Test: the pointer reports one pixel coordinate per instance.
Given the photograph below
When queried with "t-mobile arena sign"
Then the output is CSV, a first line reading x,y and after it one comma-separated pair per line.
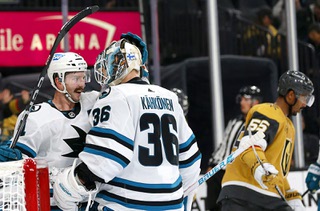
x,y
26,38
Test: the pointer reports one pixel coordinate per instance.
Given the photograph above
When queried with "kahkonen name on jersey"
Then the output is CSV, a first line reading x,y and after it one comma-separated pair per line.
x,y
157,103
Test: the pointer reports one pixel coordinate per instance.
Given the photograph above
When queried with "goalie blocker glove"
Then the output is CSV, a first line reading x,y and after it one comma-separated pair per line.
x,y
313,177
8,154
68,191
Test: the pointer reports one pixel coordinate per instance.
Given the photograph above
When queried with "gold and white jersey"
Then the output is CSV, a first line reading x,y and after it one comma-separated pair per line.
x,y
238,181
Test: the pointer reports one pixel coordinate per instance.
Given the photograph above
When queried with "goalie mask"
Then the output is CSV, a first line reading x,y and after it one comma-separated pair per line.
x,y
63,63
299,83
116,62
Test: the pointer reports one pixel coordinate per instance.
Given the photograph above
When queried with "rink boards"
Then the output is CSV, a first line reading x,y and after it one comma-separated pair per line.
x,y
296,180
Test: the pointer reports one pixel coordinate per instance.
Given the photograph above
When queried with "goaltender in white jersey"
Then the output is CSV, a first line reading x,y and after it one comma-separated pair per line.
x,y
140,153
55,130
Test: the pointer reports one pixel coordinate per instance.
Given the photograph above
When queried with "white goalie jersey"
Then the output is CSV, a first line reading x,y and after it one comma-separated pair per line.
x,y
142,147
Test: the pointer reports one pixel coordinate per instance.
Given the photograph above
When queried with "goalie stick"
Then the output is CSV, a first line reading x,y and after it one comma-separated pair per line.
x,y
259,135
63,31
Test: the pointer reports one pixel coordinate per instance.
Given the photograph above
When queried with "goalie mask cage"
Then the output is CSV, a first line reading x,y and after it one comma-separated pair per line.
x,y
24,185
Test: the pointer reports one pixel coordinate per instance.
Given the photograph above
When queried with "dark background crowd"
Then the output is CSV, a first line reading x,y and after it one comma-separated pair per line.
x,y
252,36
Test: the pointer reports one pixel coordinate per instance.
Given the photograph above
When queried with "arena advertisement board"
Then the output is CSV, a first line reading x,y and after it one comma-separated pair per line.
x,y
295,178
27,37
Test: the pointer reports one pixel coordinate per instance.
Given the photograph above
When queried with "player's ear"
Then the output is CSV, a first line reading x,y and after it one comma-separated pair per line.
x,y
58,82
291,97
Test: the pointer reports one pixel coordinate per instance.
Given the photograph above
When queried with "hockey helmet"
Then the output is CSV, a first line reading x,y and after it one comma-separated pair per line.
x,y
63,63
252,92
116,62
299,83
183,100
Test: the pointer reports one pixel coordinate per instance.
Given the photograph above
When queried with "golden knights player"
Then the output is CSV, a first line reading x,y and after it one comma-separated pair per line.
x,y
247,185
140,152
247,97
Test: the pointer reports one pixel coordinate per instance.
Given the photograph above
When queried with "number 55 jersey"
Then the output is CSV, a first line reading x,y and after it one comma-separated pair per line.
x,y
142,147
238,181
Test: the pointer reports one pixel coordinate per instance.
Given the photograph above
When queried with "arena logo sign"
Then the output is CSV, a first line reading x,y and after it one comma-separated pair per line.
x,y
15,42
79,41
35,37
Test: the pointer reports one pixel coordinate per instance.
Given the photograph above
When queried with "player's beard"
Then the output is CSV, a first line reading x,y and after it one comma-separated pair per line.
x,y
76,94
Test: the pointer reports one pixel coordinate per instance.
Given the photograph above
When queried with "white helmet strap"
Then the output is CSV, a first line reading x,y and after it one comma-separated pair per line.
x,y
68,96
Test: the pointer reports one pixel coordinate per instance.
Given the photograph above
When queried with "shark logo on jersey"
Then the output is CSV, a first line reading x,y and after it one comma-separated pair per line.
x,y
77,143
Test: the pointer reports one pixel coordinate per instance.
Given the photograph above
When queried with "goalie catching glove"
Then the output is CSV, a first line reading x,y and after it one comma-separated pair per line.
x,y
8,154
68,191
313,177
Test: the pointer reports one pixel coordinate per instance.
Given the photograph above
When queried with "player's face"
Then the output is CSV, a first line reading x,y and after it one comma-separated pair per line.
x,y
300,104
245,104
75,83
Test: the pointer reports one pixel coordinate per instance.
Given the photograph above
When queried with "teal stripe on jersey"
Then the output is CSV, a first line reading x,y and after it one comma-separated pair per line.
x,y
141,205
188,143
148,185
194,158
106,155
103,132
26,150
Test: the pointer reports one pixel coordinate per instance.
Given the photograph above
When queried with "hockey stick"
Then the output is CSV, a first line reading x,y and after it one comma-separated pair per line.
x,y
63,31
23,87
265,170
259,135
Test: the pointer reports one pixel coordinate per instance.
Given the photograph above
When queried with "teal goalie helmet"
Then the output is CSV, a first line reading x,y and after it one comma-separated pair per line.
x,y
116,62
